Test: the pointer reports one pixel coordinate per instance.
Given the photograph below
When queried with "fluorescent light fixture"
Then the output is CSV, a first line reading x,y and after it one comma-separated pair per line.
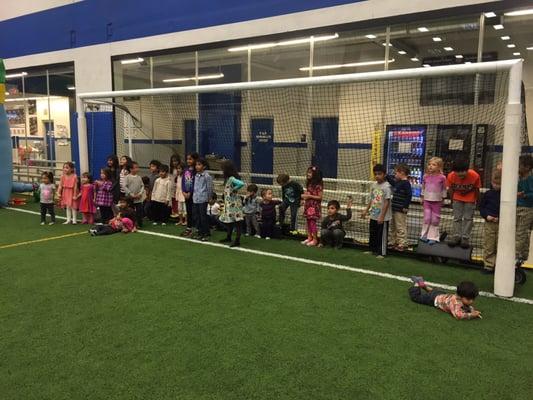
x,y
506,37
458,56
511,45
519,13
6,93
490,14
448,48
498,27
423,29
415,59
193,78
35,98
20,75
468,62
385,44
132,61
371,36
284,43
402,52
71,87
517,53
349,65
426,65
529,48
437,39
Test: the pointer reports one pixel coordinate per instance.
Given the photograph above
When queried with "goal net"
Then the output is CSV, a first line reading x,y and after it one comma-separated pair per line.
x,y
343,124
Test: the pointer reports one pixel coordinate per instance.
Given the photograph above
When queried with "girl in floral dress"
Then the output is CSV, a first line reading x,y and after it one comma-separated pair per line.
x,y
232,214
312,204
68,192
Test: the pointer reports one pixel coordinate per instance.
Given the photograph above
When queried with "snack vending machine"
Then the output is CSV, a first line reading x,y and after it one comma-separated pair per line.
x,y
406,144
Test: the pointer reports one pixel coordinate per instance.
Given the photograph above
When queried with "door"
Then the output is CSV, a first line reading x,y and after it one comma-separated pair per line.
x,y
50,140
190,136
262,148
325,136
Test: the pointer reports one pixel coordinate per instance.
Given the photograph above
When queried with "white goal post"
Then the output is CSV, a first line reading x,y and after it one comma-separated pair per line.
x,y
505,271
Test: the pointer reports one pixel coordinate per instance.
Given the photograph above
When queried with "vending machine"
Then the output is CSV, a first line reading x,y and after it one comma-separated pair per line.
x,y
406,144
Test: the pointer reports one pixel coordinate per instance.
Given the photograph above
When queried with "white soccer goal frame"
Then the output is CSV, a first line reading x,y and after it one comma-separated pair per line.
x,y
505,272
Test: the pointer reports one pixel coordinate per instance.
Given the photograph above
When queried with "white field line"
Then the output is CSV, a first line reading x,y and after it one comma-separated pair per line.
x,y
309,261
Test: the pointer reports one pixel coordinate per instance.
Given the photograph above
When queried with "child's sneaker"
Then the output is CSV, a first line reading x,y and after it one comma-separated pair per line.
x,y
154,223
42,223
267,238
454,241
418,281
432,242
465,244
92,232
258,236
380,257
66,222
51,223
163,224
367,252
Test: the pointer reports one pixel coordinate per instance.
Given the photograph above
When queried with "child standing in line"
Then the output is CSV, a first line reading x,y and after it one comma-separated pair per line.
x,y
180,198
401,199
464,184
524,209
232,214
251,208
125,168
117,224
489,208
46,193
268,213
312,198
291,194
187,187
154,174
380,212
433,194
161,197
332,231
104,195
68,192
459,305
174,164
87,197
134,190
114,167
203,190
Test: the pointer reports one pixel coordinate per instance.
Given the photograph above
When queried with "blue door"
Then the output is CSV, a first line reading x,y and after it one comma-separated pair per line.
x,y
190,136
325,145
262,148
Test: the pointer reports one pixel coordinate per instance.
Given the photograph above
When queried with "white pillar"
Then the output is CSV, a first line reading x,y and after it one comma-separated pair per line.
x,y
505,260
82,137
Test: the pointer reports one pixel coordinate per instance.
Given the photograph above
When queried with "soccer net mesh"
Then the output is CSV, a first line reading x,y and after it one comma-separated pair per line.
x,y
342,128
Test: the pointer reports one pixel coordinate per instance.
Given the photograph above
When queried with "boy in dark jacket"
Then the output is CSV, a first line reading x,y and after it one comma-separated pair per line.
x,y
401,199
332,231
291,193
268,213
489,208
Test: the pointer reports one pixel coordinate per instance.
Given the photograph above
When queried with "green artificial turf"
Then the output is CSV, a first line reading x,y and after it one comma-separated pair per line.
x,y
143,317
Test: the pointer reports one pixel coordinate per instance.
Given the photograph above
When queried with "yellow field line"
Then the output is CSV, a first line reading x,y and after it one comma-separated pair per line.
x,y
7,246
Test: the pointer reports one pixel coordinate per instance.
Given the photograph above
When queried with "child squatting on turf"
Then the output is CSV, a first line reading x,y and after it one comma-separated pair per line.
x,y
332,231
459,305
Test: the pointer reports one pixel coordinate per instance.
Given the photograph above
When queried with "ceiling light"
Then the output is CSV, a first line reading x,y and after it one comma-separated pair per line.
x,y
529,48
34,98
423,29
132,61
415,59
385,44
506,37
193,78
402,52
284,43
448,48
20,75
426,65
371,36
437,39
497,26
468,62
6,93
349,65
519,13
511,45
490,14
71,87
517,53
458,56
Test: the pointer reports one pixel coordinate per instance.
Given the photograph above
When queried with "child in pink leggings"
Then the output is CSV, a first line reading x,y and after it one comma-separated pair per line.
x,y
433,193
312,198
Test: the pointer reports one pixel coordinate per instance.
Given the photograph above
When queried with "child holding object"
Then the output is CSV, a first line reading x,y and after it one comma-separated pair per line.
x,y
46,197
433,194
464,184
291,194
401,199
268,213
524,209
87,199
489,208
332,231
252,207
379,211
312,198
68,192
459,305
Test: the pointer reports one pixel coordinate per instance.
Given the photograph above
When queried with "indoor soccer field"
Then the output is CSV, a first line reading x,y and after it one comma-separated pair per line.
x,y
138,316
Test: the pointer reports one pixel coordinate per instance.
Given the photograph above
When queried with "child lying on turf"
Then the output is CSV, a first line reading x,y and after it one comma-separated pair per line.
x,y
459,305
115,225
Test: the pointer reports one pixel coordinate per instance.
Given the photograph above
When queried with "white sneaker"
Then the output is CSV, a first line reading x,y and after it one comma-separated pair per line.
x,y
246,234
74,222
267,238
163,224
154,223
51,223
258,236
66,222
42,223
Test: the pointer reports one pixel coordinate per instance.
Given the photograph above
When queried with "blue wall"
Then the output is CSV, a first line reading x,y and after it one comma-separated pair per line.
x,y
99,21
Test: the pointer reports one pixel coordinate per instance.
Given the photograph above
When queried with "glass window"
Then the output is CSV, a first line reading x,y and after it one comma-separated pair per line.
x,y
131,72
174,69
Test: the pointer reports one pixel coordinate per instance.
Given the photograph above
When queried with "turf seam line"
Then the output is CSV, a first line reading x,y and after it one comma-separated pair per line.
x,y
46,239
311,262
